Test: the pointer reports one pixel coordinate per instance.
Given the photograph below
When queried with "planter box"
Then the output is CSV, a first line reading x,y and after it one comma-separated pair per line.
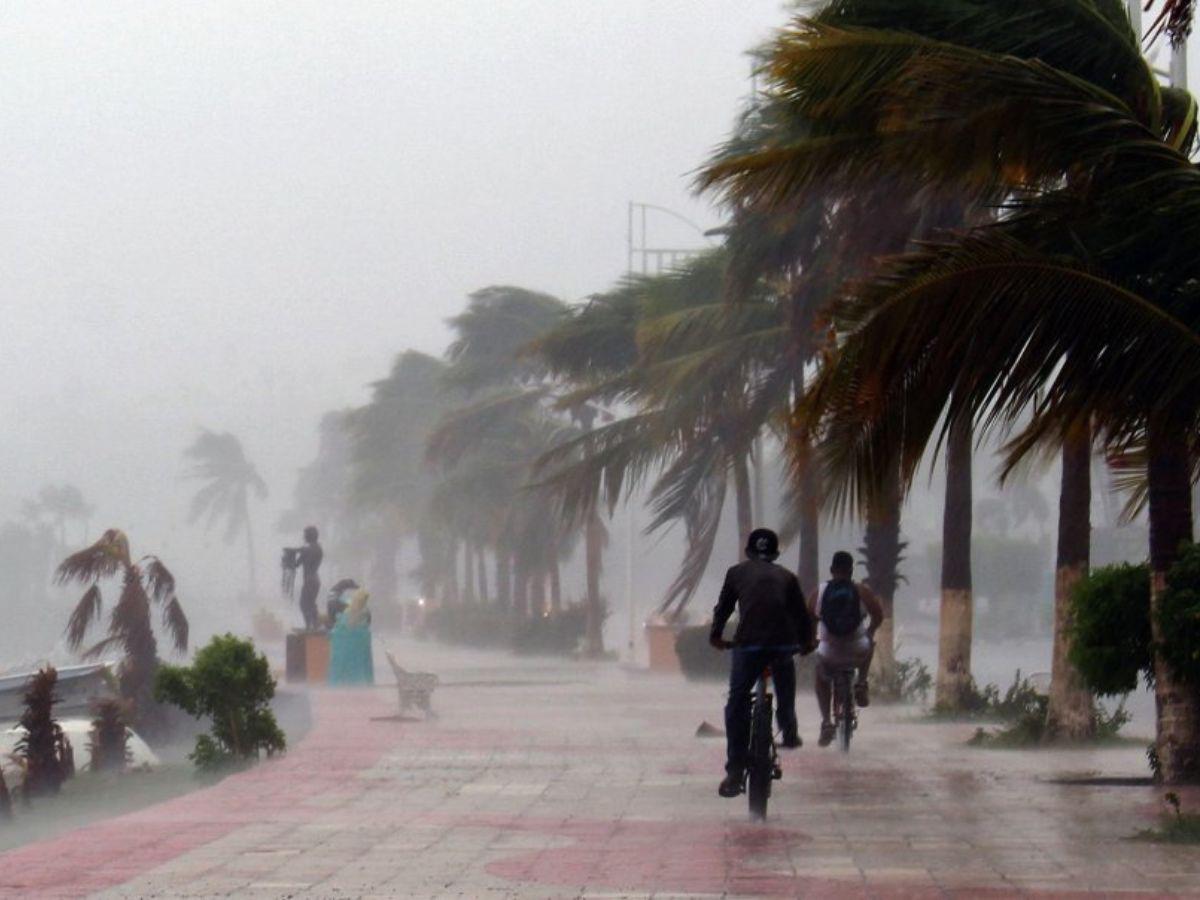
x,y
660,639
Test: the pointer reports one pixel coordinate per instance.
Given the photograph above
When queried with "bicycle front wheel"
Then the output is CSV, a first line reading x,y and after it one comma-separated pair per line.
x,y
758,788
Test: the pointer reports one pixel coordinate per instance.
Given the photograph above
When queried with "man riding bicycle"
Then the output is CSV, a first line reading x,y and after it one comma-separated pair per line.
x,y
774,624
848,613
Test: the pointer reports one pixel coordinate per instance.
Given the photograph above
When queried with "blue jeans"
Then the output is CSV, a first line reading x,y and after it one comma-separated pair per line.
x,y
749,663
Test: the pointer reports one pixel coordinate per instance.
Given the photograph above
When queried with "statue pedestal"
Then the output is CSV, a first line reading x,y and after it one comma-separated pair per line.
x,y
308,656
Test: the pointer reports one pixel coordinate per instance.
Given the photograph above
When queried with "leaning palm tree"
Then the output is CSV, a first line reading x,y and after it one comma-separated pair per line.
x,y
145,583
231,479
834,73
1077,306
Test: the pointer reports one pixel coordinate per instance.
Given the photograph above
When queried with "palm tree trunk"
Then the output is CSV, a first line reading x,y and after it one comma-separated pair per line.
x,y
593,548
759,464
481,561
520,586
1178,706
537,596
251,565
468,574
555,587
882,548
504,585
954,639
1070,714
809,570
383,566
745,512
452,575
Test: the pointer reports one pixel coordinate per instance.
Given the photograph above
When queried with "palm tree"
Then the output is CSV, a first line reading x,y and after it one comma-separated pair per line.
x,y
1055,307
686,365
231,479
145,582
59,503
390,484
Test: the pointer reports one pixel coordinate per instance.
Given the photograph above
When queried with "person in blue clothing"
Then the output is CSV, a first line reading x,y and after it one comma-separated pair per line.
x,y
774,624
350,658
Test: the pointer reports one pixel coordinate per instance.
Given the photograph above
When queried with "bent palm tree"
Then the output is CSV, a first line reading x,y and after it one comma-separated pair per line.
x,y
144,583
219,460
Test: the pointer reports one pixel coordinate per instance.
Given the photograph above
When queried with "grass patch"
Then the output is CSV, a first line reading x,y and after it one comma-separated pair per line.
x,y
92,797
1176,827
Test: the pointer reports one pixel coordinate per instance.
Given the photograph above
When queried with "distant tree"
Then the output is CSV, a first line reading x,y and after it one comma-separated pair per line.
x,y
59,504
144,583
220,461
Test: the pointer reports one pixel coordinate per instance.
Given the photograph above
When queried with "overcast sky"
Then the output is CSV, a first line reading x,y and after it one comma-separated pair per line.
x,y
234,215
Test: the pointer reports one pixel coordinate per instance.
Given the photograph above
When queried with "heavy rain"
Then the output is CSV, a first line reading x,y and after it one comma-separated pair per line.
x,y
548,449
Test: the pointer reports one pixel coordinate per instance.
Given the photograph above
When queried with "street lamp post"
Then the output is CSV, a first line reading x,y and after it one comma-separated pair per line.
x,y
644,259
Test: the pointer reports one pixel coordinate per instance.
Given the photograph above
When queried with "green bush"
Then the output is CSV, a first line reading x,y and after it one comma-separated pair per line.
x,y
1110,639
230,683
908,681
557,634
474,626
1179,616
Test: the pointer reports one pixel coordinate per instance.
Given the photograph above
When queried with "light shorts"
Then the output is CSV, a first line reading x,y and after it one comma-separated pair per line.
x,y
842,654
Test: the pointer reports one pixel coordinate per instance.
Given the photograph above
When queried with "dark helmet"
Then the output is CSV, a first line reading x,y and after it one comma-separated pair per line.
x,y
763,543
843,564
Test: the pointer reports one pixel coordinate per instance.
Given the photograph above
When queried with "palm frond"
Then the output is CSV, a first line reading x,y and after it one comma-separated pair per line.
x,y
160,583
982,327
103,559
1174,19
176,623
101,647
86,612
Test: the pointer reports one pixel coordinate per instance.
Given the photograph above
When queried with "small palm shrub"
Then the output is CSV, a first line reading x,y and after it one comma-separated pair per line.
x,y
43,749
109,740
5,800
231,684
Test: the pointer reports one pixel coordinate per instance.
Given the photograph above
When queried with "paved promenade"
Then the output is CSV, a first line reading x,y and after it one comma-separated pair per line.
x,y
561,780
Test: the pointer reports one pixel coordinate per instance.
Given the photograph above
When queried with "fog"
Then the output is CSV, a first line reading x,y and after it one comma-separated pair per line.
x,y
233,216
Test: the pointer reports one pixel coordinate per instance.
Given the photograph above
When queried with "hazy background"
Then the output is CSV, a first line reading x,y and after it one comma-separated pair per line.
x,y
233,215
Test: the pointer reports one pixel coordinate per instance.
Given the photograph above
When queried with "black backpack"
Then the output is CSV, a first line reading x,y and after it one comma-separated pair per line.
x,y
841,609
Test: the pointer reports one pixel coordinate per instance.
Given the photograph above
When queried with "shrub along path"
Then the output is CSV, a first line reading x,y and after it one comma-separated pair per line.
x,y
567,780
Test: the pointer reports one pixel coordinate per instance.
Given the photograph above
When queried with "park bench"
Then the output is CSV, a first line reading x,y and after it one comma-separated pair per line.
x,y
414,688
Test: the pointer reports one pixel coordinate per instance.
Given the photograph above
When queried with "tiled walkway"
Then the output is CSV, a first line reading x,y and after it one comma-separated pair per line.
x,y
561,780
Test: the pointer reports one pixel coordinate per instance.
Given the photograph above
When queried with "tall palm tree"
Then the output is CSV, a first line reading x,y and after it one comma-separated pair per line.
x,y
390,484
1104,327
145,583
230,480
685,365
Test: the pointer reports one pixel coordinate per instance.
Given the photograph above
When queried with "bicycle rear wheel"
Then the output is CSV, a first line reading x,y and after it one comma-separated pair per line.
x,y
845,721
758,788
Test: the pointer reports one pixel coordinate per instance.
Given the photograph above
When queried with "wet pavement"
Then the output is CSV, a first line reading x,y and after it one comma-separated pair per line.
x,y
585,780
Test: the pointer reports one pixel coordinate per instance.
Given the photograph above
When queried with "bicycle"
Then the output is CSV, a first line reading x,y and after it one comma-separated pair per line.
x,y
845,716
763,764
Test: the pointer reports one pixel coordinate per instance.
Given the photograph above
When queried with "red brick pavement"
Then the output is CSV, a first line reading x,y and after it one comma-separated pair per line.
x,y
342,741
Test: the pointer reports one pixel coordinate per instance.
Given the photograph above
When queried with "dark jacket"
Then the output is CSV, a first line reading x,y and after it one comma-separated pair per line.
x,y
770,605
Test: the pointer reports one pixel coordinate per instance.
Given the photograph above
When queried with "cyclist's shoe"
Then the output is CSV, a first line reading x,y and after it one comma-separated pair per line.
x,y
791,740
861,697
731,786
776,773
828,733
